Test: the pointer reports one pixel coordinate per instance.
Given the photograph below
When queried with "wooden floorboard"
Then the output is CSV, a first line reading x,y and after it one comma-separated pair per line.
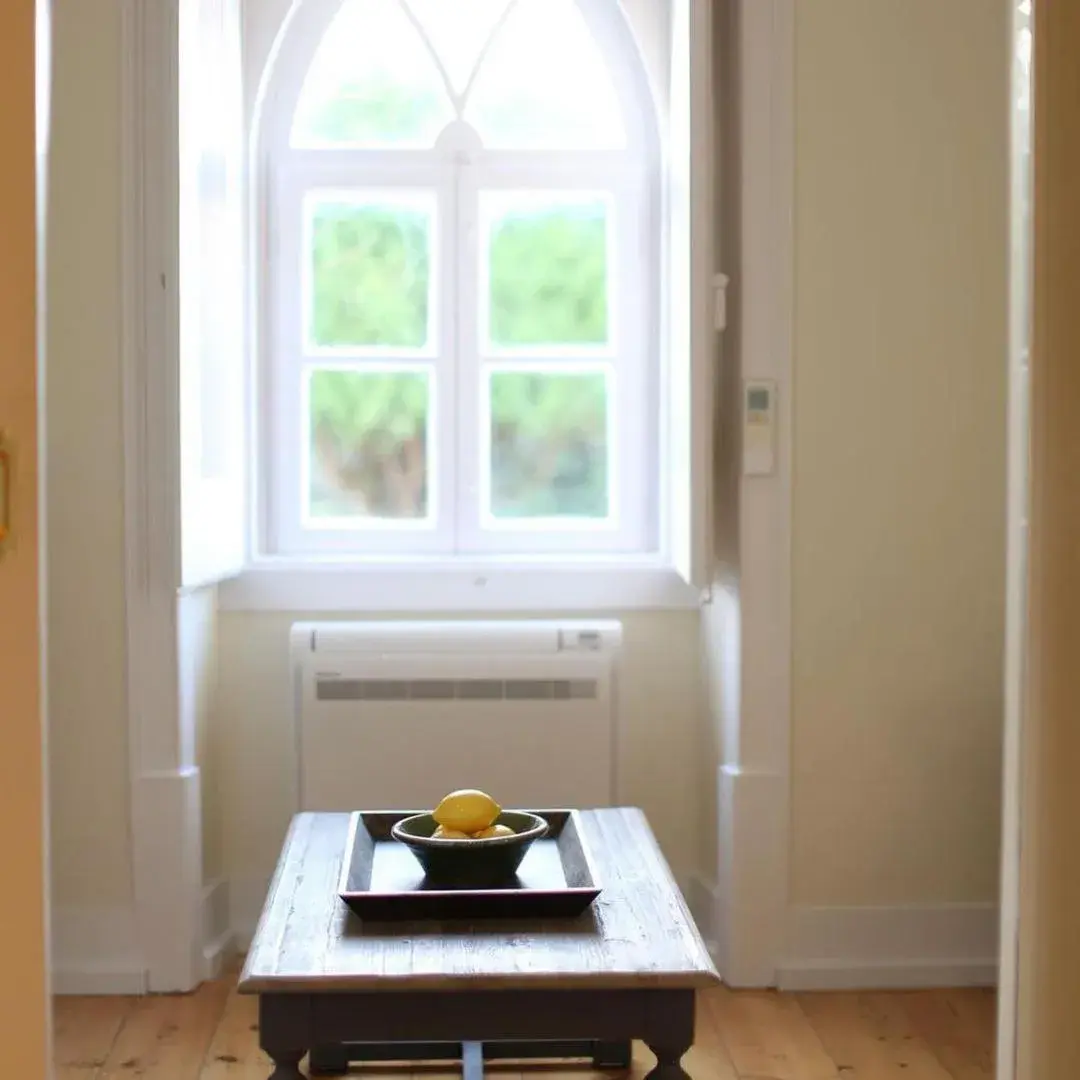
x,y
752,1035
84,1031
870,1037
768,1035
959,1028
167,1037
234,1052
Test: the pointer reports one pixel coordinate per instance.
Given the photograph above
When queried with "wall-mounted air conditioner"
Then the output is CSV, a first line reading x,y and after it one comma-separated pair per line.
x,y
392,715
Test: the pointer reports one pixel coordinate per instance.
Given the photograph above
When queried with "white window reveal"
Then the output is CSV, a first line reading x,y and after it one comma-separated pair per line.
x,y
479,343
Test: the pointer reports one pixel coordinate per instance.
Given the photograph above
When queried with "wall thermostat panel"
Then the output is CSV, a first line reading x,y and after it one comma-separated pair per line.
x,y
759,427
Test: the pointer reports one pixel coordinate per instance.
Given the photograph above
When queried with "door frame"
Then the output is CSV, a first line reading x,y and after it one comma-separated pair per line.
x,y
1038,1035
1018,510
25,53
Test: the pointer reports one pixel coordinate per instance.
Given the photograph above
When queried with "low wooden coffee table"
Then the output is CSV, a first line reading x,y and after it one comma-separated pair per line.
x,y
345,990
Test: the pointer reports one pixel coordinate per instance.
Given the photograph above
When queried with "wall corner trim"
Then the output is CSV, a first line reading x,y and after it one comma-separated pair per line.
x,y
753,776
165,783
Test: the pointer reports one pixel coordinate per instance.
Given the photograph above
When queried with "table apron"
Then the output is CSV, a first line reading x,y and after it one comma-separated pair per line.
x,y
305,1020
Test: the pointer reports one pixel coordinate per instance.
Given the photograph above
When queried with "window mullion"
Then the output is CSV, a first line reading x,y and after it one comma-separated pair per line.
x,y
446,376
468,367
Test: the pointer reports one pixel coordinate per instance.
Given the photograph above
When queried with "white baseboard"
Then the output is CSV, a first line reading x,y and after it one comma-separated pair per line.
x,y
910,947
703,900
219,941
96,951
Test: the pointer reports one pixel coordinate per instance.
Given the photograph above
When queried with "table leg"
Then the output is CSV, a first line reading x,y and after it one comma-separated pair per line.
x,y
285,1032
286,1063
670,1032
668,1062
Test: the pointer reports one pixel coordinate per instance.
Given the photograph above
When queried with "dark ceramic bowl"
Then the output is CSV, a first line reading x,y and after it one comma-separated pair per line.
x,y
463,864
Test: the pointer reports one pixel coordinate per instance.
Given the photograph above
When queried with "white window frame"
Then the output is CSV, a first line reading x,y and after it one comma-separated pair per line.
x,y
633,478
679,573
459,172
283,474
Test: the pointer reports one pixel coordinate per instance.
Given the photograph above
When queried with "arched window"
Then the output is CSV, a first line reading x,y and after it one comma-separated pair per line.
x,y
459,301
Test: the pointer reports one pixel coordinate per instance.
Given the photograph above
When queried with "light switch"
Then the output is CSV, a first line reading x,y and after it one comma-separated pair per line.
x,y
759,427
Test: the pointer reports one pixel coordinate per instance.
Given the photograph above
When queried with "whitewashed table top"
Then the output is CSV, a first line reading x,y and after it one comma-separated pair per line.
x,y
637,934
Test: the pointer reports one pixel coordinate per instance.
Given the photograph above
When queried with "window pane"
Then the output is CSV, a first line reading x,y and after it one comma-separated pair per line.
x,y
458,30
370,272
372,83
547,269
369,433
545,84
549,445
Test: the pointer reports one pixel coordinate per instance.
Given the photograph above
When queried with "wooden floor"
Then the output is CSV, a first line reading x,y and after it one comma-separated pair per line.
x,y
211,1035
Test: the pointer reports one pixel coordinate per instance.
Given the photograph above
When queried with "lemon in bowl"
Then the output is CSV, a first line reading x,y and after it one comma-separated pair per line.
x,y
468,811
486,857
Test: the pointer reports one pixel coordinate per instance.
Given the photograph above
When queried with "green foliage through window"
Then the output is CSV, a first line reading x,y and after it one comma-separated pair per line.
x,y
378,111
370,266
549,277
549,445
369,433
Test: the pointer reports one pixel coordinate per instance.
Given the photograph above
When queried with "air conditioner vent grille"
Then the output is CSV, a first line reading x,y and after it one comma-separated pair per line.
x,y
334,688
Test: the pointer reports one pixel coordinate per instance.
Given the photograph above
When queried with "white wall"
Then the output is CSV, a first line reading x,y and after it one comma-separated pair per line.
x,y
897,516
899,454
94,936
197,666
661,712
95,939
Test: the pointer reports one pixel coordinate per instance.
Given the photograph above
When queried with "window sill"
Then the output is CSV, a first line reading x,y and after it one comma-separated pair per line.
x,y
421,586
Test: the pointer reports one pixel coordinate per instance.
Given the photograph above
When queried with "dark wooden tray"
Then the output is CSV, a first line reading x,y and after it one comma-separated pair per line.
x,y
381,879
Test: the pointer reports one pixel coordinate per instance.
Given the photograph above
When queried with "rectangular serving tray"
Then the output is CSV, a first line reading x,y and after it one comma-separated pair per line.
x,y
381,879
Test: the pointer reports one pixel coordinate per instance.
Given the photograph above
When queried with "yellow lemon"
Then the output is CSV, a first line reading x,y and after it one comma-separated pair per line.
x,y
468,811
442,833
493,830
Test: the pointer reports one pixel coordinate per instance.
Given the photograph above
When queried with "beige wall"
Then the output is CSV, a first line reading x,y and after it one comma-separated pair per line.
x,y
660,707
899,453
23,1004
88,743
